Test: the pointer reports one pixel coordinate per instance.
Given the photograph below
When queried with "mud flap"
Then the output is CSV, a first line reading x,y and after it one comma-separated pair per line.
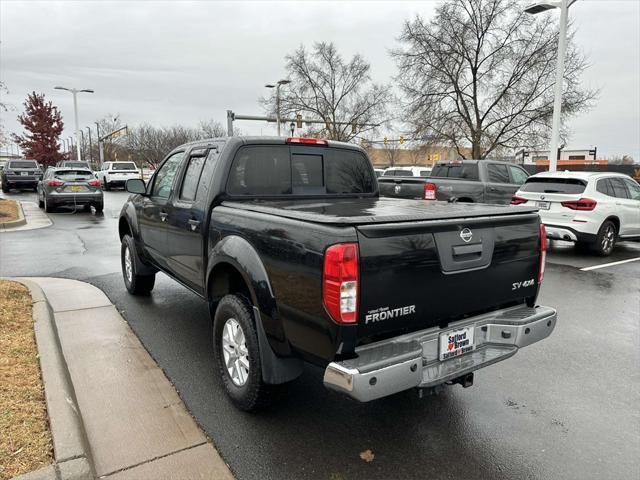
x,y
275,370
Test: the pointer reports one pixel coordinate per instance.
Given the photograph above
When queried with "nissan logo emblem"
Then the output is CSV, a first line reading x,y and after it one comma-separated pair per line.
x,y
466,235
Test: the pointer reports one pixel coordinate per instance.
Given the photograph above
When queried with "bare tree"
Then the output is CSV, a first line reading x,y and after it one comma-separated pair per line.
x,y
326,87
4,107
481,73
151,144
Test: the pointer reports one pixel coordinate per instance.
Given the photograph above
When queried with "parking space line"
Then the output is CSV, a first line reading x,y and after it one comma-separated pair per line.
x,y
604,265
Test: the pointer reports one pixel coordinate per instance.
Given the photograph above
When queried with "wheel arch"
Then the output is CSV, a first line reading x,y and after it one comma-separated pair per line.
x,y
236,268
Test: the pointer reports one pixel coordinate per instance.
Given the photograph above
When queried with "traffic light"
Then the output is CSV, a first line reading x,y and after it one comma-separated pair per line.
x,y
385,141
401,139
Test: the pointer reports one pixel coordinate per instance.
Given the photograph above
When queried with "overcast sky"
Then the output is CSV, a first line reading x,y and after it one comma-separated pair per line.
x,y
181,62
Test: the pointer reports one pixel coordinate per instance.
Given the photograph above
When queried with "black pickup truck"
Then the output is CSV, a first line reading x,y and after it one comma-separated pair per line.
x,y
300,260
470,181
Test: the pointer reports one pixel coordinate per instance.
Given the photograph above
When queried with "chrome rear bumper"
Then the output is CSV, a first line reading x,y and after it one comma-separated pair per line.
x,y
390,366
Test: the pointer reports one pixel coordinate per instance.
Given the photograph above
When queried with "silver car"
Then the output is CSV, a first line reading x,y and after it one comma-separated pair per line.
x,y
70,187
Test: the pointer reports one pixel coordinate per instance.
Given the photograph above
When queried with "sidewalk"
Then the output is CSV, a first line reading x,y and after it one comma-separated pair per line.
x,y
34,218
130,417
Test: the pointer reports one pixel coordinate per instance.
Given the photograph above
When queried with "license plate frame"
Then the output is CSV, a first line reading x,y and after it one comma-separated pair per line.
x,y
463,337
24,174
543,204
75,188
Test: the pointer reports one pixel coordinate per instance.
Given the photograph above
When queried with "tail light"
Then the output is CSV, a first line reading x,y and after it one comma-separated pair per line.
x,y
429,191
515,200
340,282
54,183
582,204
543,252
307,141
94,182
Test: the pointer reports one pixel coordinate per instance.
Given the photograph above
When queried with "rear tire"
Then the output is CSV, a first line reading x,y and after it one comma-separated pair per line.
x,y
237,354
48,207
606,239
40,202
99,207
106,185
135,283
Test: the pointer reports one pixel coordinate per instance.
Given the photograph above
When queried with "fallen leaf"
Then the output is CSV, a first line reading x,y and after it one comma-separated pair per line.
x,y
367,456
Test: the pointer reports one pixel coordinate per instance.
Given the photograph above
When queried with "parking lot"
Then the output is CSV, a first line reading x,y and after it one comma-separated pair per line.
x,y
563,408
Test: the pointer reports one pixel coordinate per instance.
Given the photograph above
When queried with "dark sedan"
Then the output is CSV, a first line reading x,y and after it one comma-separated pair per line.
x,y
72,187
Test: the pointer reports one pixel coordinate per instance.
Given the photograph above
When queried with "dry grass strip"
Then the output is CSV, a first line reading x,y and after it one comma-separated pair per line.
x,y
25,439
8,210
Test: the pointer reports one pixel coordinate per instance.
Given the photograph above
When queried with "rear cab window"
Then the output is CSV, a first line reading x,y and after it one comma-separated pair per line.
x,y
569,186
498,173
272,170
467,171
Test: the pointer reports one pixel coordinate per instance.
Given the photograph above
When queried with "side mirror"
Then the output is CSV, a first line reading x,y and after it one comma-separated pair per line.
x,y
135,185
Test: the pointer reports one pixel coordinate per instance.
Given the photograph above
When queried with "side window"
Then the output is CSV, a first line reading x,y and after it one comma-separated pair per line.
x,y
619,189
634,188
603,186
518,176
258,170
498,173
192,178
164,177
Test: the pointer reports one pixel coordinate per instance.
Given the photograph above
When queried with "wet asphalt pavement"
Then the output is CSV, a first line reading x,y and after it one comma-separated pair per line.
x,y
568,407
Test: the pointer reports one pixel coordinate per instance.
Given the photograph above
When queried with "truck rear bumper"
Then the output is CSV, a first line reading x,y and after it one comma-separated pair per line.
x,y
390,366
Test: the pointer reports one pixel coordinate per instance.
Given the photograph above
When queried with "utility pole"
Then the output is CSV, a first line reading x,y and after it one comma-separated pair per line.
x,y
90,145
100,144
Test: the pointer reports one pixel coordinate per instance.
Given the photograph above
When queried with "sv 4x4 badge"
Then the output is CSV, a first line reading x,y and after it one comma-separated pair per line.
x,y
525,284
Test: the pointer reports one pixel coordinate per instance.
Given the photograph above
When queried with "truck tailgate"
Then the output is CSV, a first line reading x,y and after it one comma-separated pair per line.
x,y
416,275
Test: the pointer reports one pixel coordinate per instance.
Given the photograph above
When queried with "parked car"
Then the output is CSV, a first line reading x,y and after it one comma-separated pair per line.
x,y
20,174
592,209
116,174
378,171
470,181
69,187
407,172
73,164
301,260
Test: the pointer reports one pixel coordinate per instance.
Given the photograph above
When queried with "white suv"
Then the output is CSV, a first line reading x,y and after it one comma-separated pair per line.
x,y
114,174
588,208
407,172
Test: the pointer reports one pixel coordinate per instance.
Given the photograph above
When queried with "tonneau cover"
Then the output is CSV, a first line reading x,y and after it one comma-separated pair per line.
x,y
363,211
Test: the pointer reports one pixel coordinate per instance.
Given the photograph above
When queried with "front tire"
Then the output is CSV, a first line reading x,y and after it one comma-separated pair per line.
x,y
106,185
5,188
606,239
237,355
40,201
135,283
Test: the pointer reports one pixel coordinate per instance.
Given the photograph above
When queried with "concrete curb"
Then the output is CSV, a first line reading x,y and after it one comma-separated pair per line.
x,y
15,223
71,450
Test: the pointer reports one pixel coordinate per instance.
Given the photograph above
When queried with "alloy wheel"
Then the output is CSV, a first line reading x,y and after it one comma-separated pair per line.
x,y
128,269
234,350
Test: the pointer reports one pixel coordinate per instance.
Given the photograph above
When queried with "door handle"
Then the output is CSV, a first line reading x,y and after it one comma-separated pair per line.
x,y
163,216
194,224
493,189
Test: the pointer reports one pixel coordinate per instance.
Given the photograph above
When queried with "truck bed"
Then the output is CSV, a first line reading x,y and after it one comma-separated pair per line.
x,y
364,211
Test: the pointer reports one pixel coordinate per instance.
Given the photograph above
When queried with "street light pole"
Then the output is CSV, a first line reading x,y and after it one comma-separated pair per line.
x,y
75,92
277,86
563,5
